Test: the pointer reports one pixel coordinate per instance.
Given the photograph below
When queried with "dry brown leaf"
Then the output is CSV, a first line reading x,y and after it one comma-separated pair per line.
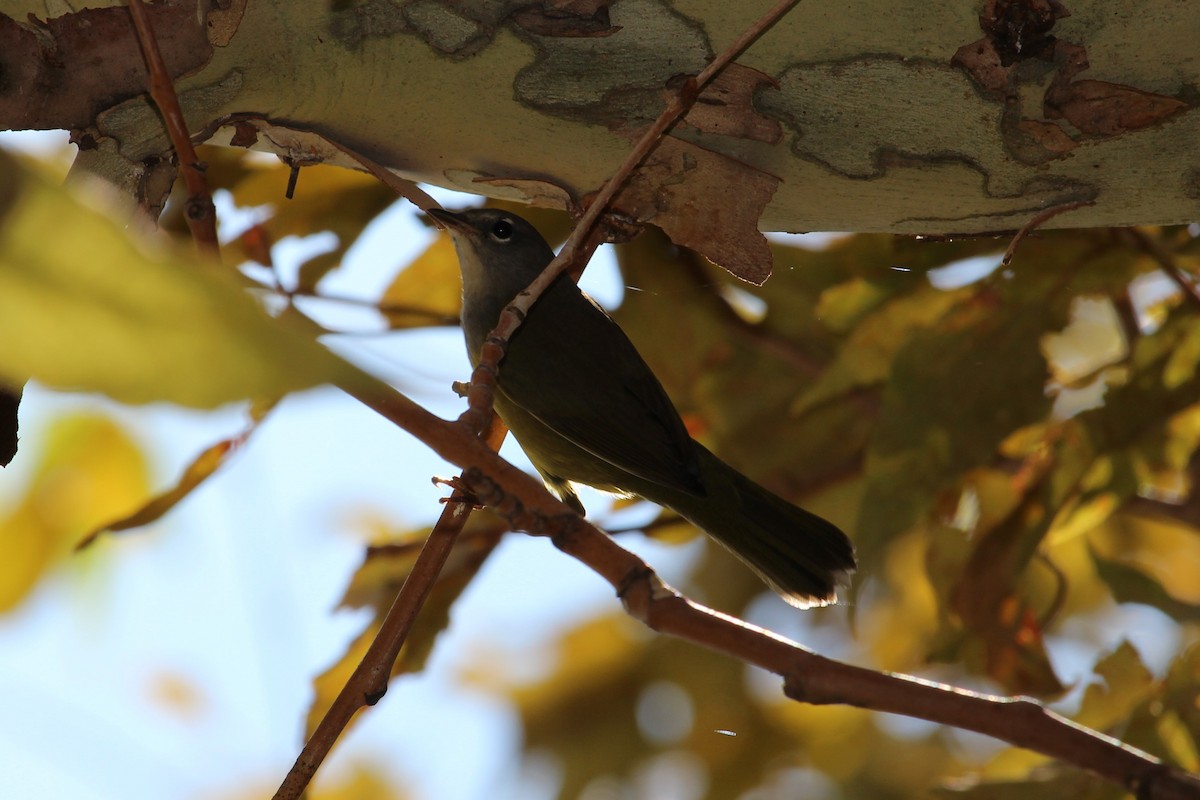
x,y
706,202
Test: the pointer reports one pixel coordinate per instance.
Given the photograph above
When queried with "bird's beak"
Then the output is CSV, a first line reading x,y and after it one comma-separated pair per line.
x,y
448,220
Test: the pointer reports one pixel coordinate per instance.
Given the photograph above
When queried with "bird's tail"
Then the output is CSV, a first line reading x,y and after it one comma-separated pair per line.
x,y
803,557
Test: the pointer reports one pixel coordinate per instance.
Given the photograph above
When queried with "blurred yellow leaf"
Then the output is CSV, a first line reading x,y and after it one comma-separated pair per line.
x,y
1180,742
90,470
841,307
1124,683
364,782
1181,366
1164,549
341,201
85,307
872,345
201,468
178,694
427,291
376,584
898,631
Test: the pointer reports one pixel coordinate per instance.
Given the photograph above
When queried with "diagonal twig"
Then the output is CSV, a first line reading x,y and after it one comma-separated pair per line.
x,y
1151,247
1039,219
199,212
369,681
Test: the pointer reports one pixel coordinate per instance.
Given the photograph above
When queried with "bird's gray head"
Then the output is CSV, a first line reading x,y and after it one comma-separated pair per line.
x,y
499,254
495,247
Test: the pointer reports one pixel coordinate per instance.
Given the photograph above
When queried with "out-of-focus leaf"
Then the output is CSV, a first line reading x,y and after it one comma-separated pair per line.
x,y
83,307
1158,716
843,306
1124,684
376,584
1130,585
341,201
201,468
1180,698
426,291
954,394
363,782
898,632
1048,781
1091,340
867,355
90,470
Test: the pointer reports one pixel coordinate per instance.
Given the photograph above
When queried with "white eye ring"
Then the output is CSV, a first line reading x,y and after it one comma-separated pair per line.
x,y
502,230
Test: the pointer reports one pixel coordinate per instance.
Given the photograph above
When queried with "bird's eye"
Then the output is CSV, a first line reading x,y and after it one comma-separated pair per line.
x,y
502,230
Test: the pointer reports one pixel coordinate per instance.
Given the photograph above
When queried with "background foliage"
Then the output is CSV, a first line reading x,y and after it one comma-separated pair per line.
x,y
1012,449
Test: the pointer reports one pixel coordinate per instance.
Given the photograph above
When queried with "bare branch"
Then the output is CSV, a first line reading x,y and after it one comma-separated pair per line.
x,y
369,681
1151,247
1038,220
812,678
200,213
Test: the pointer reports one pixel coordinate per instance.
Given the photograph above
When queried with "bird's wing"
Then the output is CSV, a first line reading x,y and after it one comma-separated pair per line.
x,y
614,407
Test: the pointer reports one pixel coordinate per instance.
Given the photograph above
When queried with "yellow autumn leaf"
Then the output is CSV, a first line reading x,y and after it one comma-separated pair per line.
x,y
83,306
90,471
428,291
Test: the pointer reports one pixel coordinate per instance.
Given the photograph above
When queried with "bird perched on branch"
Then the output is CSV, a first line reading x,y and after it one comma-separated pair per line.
x,y
587,410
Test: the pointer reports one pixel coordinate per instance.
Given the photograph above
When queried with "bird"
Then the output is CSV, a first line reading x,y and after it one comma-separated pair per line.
x,y
587,409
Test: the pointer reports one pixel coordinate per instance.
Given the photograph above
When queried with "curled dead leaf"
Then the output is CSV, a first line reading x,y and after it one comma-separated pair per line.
x,y
704,201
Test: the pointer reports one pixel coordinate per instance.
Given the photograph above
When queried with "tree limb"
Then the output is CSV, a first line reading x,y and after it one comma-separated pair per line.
x,y
369,681
808,677
200,213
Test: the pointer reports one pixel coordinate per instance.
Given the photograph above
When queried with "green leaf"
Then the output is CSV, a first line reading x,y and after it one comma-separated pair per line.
x,y
1124,684
955,392
1131,585
866,356
83,306
376,584
200,470
89,470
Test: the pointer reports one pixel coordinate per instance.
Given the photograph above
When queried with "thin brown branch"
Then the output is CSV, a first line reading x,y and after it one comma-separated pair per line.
x,y
575,249
200,213
812,678
1038,220
1151,247
405,188
385,308
369,681
1060,590
808,677
401,186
